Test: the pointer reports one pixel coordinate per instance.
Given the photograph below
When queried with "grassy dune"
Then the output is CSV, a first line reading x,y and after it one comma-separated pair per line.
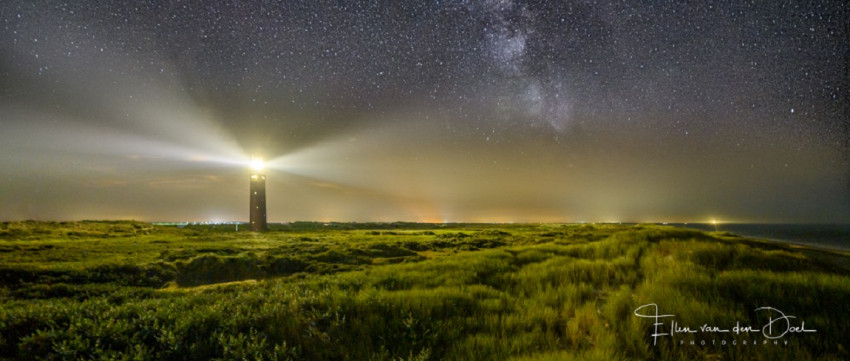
x,y
126,290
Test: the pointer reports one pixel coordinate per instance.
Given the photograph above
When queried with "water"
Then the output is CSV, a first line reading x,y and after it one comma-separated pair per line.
x,y
832,236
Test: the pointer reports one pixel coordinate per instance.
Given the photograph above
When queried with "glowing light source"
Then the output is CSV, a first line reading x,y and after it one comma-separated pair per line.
x,y
257,164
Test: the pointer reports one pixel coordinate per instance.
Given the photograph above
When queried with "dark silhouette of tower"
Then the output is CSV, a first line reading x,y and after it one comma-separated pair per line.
x,y
258,202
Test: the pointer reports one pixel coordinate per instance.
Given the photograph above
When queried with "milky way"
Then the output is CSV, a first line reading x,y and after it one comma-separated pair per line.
x,y
492,110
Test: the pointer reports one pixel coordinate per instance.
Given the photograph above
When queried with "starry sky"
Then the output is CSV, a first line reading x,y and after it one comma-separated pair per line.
x,y
430,111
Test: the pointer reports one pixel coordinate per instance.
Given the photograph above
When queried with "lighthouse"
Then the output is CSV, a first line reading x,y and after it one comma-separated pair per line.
x,y
258,197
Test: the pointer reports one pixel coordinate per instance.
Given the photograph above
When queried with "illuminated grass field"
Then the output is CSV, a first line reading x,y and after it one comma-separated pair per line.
x,y
406,291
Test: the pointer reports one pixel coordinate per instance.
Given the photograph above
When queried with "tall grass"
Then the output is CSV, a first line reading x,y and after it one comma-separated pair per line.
x,y
521,292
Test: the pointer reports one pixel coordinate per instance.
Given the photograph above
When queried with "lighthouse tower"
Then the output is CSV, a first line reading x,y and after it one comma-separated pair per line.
x,y
258,197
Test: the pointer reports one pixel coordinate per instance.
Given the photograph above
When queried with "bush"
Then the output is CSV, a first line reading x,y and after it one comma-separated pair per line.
x,y
206,269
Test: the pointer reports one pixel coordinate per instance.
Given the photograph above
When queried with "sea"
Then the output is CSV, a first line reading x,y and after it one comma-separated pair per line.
x,y
829,236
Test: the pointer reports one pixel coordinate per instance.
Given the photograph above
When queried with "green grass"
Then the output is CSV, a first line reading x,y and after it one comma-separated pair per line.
x,y
129,290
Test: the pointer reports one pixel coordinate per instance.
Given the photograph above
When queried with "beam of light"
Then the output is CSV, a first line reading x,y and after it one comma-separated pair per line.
x,y
434,185
40,135
358,159
130,115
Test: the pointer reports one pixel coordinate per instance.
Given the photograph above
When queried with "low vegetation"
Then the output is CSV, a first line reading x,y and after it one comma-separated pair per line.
x,y
339,291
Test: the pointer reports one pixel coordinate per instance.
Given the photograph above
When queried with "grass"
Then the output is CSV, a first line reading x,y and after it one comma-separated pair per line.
x,y
129,290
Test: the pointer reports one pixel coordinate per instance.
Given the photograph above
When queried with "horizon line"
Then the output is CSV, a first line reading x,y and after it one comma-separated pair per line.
x,y
438,222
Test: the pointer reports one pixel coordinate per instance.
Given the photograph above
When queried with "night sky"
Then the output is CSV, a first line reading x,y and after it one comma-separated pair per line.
x,y
433,111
